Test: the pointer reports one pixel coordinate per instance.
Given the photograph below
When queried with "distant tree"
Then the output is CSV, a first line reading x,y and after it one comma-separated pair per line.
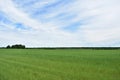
x,y
18,46
8,46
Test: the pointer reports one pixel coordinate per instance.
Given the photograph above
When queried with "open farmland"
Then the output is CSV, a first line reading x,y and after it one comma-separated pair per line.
x,y
59,64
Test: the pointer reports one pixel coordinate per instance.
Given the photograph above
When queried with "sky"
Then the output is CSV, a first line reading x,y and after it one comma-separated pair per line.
x,y
60,23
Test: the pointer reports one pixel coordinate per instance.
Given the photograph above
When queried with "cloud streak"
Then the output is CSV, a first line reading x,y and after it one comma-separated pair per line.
x,y
60,23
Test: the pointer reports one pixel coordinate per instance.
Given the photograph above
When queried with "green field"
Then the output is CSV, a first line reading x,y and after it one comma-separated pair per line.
x,y
66,64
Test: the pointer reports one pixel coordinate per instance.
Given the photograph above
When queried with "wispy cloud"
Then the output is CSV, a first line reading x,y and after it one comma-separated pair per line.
x,y
60,22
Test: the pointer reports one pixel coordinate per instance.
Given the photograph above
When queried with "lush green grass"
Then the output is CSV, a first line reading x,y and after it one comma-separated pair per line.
x,y
37,64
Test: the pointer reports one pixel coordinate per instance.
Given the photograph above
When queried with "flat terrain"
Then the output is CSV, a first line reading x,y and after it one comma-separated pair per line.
x,y
66,64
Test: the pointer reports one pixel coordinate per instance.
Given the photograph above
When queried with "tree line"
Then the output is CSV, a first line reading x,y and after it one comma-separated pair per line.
x,y
16,46
20,46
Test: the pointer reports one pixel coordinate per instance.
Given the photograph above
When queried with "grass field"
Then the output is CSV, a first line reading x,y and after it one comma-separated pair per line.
x,y
76,64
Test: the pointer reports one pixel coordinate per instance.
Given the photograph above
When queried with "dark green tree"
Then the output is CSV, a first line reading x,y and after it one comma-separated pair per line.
x,y
8,46
18,46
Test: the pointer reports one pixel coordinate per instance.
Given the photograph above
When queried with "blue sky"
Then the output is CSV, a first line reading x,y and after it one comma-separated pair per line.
x,y
60,23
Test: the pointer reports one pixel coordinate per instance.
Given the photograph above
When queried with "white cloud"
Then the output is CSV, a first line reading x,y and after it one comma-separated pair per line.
x,y
100,24
104,28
